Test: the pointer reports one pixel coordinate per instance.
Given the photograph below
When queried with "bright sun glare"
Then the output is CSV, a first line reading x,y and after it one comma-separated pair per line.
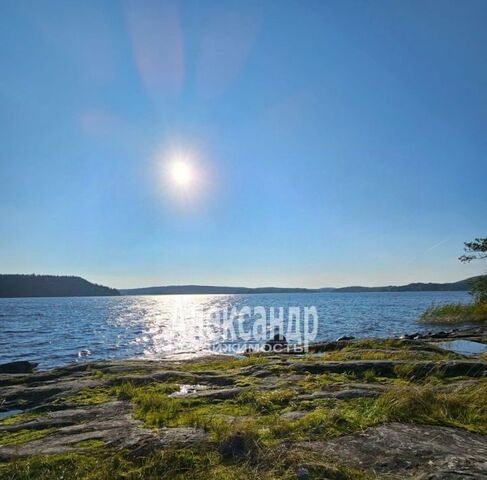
x,y
182,173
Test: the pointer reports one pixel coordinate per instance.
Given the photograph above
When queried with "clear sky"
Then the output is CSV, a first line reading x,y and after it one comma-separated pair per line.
x,y
328,143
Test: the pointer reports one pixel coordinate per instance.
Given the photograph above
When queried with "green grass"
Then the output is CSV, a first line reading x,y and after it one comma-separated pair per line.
x,y
66,467
462,407
89,396
455,313
94,443
21,418
152,402
256,413
378,343
23,436
346,355
411,373
265,402
156,408
327,418
179,464
225,364
384,349
414,396
318,382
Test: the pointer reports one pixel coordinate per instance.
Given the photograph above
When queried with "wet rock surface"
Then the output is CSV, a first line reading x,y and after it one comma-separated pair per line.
x,y
18,367
478,333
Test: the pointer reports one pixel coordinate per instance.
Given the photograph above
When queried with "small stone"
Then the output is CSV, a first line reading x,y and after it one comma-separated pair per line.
x,y
293,415
302,473
344,337
234,446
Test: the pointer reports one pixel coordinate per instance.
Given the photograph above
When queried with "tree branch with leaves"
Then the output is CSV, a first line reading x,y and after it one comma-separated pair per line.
x,y
477,250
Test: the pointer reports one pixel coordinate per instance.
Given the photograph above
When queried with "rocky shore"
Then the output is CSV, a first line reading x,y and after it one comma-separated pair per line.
x,y
349,409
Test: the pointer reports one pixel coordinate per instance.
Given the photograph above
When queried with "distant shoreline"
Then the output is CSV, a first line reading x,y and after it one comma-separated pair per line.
x,y
461,286
37,286
282,292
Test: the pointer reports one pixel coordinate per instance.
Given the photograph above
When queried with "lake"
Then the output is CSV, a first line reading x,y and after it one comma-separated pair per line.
x,y
57,331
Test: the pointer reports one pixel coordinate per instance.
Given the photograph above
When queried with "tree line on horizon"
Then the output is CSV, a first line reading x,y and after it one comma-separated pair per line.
x,y
18,285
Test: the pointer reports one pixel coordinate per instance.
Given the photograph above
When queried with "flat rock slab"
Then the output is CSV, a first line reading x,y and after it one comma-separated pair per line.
x,y
450,368
111,422
19,391
217,394
31,395
346,394
405,450
162,377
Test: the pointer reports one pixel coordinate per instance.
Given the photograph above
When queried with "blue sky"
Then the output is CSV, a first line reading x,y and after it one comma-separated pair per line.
x,y
331,142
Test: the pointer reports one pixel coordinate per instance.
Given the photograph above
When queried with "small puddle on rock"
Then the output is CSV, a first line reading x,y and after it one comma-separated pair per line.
x,y
464,347
9,413
188,389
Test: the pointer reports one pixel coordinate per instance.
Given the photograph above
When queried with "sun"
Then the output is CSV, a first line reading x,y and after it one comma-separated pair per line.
x,y
182,173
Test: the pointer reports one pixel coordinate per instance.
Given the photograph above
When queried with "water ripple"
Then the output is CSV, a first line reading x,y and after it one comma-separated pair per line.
x,y
56,331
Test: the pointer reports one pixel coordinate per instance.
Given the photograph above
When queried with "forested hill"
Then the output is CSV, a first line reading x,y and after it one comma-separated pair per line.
x,y
463,285
50,286
208,290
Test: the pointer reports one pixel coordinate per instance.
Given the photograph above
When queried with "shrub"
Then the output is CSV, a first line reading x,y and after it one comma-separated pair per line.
x,y
479,289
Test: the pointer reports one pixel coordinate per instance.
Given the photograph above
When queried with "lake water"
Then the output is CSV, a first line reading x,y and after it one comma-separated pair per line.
x,y
57,331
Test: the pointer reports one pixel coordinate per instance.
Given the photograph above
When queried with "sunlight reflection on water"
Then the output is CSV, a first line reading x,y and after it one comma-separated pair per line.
x,y
56,331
